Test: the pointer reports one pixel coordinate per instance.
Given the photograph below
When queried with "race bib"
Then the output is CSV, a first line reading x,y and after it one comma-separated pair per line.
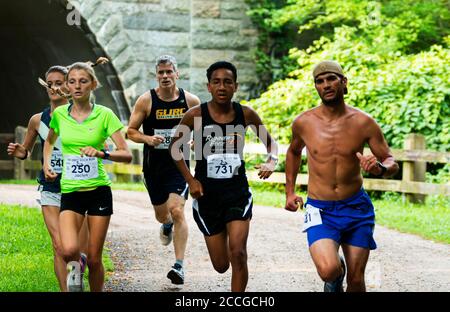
x,y
80,168
312,217
223,166
167,134
56,162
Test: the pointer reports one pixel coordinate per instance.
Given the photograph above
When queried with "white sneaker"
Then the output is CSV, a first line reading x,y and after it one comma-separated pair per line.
x,y
74,283
176,274
165,235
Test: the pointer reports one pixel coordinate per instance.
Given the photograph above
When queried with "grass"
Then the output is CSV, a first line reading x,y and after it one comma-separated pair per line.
x,y
430,220
26,257
27,182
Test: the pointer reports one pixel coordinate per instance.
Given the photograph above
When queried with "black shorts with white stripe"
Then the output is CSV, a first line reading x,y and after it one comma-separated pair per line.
x,y
213,211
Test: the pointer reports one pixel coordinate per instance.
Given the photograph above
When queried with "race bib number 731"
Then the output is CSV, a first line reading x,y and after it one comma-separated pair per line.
x,y
223,166
80,168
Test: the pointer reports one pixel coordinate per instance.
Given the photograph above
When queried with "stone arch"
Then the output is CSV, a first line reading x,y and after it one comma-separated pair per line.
x,y
34,36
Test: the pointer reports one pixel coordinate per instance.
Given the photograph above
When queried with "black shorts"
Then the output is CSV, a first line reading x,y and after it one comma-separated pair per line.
x,y
214,210
97,202
161,183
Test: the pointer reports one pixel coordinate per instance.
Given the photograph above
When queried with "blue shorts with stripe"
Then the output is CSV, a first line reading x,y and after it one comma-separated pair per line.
x,y
213,211
350,221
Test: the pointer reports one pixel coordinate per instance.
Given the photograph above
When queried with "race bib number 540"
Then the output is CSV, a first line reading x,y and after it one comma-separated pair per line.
x,y
56,161
80,168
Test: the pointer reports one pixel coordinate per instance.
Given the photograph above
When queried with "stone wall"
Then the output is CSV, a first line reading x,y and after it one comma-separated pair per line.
x,y
197,32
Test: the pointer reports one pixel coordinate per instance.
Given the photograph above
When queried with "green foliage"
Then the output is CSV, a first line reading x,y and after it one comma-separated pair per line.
x,y
394,53
442,176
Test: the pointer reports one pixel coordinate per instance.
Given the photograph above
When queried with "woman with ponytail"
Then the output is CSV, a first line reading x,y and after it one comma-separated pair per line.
x,y
50,192
83,127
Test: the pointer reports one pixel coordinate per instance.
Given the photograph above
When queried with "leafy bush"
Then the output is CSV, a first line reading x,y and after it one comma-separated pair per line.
x,y
394,53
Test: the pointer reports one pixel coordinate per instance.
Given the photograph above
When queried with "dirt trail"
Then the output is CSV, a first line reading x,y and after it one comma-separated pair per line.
x,y
278,256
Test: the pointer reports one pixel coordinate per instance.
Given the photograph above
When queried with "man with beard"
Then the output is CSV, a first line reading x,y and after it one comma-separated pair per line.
x,y
338,210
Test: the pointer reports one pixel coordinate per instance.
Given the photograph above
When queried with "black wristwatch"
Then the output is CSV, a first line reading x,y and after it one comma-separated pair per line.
x,y
106,154
383,169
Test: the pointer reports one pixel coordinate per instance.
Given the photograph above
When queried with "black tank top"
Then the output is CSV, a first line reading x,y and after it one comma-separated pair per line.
x,y
163,119
214,171
56,160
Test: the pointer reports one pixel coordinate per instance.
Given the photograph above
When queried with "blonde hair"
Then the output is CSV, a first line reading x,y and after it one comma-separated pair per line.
x,y
83,66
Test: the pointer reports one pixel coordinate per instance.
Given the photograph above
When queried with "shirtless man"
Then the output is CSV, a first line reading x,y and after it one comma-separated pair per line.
x,y
338,210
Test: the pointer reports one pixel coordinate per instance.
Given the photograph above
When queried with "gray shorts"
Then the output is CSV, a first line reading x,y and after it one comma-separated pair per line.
x,y
50,199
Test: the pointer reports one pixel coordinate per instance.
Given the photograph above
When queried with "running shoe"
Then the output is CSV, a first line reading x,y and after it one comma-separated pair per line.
x,y
176,274
336,286
166,233
83,263
74,276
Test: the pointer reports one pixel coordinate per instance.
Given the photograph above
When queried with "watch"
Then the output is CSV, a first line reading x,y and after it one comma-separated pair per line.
x,y
106,154
273,157
383,169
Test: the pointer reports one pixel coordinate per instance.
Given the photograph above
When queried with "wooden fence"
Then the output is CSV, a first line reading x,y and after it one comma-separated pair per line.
x,y
413,157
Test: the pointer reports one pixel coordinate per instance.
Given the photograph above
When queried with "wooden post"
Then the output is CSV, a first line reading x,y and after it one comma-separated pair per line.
x,y
414,170
19,165
137,159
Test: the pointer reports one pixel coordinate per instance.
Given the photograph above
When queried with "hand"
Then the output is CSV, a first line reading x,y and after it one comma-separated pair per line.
x,y
195,188
293,202
266,169
90,151
49,174
16,150
369,164
155,140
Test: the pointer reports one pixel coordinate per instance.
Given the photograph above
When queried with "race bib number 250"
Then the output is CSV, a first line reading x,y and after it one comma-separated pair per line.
x,y
80,168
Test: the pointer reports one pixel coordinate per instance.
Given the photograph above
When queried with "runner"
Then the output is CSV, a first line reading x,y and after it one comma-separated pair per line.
x,y
338,210
222,197
50,192
159,111
83,128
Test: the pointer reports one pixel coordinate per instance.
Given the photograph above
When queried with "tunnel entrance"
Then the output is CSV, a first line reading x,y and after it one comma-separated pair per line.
x,y
35,35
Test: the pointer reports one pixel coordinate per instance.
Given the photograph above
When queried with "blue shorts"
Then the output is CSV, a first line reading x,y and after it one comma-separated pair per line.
x,y
350,221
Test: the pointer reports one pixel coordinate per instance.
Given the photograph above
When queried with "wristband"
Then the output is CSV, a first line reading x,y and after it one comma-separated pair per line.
x,y
383,169
273,157
26,155
106,154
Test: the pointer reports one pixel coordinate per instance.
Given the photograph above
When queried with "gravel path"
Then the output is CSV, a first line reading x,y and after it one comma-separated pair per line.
x,y
278,256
